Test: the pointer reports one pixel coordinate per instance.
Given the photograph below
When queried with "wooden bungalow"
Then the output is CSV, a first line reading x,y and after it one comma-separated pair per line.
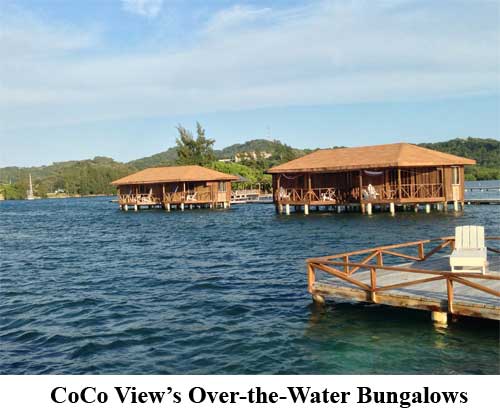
x,y
176,186
388,175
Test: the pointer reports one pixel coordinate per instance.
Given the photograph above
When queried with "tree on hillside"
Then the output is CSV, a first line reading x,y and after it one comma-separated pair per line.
x,y
193,151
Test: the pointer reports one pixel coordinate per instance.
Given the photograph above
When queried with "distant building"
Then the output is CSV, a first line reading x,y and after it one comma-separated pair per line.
x,y
239,157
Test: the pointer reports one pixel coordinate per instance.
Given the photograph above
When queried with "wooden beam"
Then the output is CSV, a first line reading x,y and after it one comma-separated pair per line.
x,y
476,286
365,260
437,249
403,255
341,275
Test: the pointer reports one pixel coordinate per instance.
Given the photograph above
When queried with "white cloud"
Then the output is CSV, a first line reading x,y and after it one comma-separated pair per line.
x,y
147,8
235,17
247,58
23,36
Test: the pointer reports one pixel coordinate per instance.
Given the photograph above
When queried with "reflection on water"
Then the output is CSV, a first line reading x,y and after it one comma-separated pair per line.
x,y
88,289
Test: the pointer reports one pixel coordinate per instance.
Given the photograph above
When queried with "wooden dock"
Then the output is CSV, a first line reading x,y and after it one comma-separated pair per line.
x,y
424,281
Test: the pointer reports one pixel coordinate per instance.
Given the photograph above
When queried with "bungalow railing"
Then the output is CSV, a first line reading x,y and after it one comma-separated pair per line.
x,y
423,190
343,266
322,194
138,199
381,192
187,196
291,194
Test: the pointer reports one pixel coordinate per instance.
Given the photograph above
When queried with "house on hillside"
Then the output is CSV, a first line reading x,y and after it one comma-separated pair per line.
x,y
176,186
388,175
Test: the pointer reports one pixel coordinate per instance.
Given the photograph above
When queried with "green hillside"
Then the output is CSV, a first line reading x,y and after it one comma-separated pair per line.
x,y
166,158
485,151
93,176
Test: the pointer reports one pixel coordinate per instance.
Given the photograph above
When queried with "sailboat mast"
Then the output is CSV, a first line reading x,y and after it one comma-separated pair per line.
x,y
29,194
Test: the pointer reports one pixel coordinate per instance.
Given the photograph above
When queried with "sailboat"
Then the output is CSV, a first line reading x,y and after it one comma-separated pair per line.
x,y
29,192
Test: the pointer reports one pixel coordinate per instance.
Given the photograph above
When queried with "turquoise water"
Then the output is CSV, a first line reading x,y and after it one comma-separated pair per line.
x,y
85,288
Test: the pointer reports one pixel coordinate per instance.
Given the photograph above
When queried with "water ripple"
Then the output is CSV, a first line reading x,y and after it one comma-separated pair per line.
x,y
85,288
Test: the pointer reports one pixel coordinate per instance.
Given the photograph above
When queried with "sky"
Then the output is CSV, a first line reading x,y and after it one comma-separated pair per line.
x,y
115,77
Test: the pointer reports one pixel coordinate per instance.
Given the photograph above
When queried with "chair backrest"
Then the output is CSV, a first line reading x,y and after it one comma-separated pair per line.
x,y
469,237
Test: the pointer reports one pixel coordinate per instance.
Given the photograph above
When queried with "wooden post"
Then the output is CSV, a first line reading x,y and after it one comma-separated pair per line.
x,y
387,184
439,317
455,205
369,208
346,264
361,188
399,183
278,183
380,259
306,209
373,278
427,208
182,207
136,207
311,277
421,252
168,207
287,208
125,207
392,208
449,289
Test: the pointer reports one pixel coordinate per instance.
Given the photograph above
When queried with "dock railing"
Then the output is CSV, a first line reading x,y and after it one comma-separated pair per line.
x,y
343,267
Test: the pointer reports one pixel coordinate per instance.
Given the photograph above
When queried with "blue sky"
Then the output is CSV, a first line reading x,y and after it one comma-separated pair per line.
x,y
114,77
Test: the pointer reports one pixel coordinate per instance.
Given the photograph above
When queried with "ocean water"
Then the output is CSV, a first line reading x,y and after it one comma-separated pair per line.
x,y
87,289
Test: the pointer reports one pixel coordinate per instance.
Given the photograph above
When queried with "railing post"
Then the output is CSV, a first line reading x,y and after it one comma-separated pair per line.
x,y
373,278
346,265
311,277
449,289
380,259
421,253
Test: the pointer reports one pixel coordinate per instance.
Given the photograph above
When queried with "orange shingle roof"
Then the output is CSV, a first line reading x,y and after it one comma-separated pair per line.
x,y
173,174
370,157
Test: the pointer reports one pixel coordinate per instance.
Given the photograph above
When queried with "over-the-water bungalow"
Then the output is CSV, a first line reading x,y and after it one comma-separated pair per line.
x,y
176,186
388,175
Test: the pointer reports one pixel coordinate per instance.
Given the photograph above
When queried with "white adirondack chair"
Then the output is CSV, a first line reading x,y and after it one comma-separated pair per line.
x,y
470,252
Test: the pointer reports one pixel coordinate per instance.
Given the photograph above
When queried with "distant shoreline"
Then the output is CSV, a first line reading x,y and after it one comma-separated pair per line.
x,y
67,196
